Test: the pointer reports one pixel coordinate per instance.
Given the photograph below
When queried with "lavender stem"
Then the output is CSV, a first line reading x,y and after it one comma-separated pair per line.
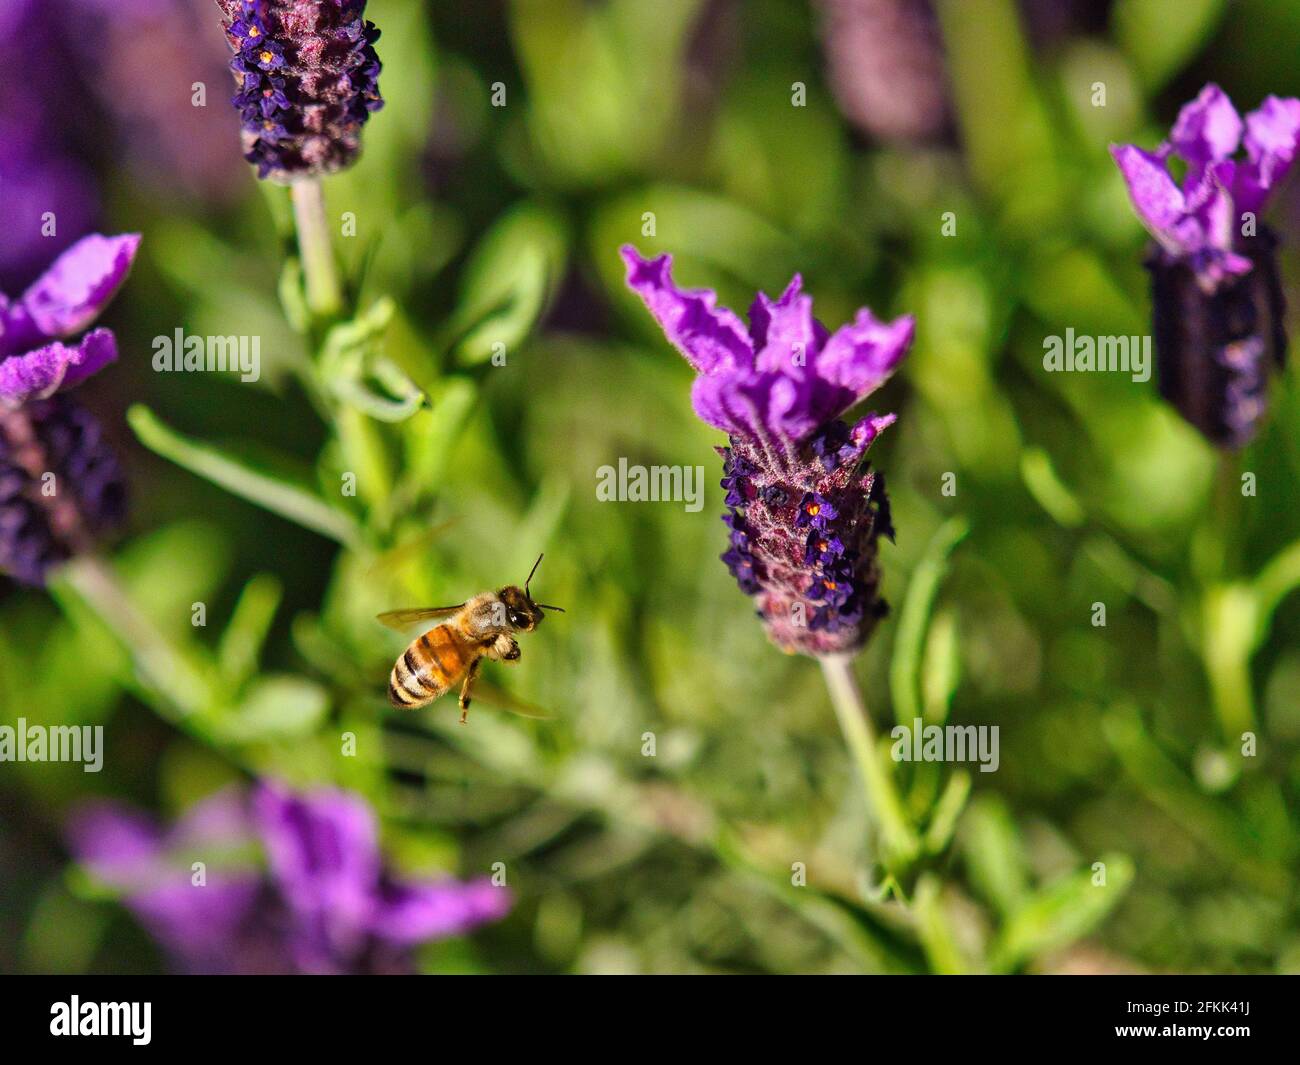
x,y
901,845
161,666
324,294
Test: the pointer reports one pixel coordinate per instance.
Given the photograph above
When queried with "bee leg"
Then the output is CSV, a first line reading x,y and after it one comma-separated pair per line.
x,y
506,649
464,692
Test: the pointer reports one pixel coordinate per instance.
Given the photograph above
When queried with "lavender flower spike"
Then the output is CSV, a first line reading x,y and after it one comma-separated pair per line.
x,y
308,79
1218,300
803,509
44,434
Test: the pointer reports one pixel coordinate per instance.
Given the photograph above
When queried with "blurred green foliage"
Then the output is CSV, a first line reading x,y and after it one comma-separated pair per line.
x,y
480,225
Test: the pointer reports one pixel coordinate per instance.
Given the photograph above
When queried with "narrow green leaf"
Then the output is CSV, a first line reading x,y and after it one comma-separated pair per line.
x,y
1062,913
275,491
934,929
276,708
946,812
909,640
241,643
1162,36
995,860
431,434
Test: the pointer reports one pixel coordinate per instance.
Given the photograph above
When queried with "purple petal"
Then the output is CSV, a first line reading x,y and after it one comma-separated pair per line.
x,y
1208,129
221,820
117,844
786,335
1272,138
415,912
323,851
1157,199
861,356
196,922
44,371
711,338
734,402
80,283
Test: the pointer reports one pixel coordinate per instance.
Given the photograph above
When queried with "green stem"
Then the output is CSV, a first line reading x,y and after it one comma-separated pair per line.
x,y
324,292
160,665
900,844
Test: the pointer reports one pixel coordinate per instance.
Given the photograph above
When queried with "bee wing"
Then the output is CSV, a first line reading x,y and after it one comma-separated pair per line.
x,y
487,692
400,619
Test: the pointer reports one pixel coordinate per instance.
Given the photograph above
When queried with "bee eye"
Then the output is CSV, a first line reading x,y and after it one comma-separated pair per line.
x,y
516,619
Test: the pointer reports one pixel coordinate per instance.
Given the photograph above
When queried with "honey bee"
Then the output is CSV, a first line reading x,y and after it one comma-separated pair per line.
x,y
479,628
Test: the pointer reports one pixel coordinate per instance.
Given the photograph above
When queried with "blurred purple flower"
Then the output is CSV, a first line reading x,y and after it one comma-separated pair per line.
x,y
1217,298
804,511
172,144
48,194
1201,221
322,903
43,434
886,66
308,78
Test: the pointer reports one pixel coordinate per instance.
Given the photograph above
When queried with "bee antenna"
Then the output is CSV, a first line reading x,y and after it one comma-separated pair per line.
x,y
547,606
532,571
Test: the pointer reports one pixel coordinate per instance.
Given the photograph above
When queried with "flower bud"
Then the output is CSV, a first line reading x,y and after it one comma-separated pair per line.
x,y
308,79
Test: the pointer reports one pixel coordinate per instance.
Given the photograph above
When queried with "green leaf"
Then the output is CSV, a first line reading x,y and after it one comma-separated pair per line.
x,y
946,812
399,400
354,369
276,708
1044,484
359,335
293,296
278,492
1278,579
1060,914
509,281
933,928
1220,828
995,860
909,640
241,643
1162,36
430,435
941,667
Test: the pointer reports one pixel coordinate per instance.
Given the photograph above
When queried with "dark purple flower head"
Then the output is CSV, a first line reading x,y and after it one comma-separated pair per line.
x,y
308,79
1217,300
1200,222
291,883
60,484
804,511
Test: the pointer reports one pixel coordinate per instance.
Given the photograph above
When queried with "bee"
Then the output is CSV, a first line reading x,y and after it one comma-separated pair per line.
x,y
479,628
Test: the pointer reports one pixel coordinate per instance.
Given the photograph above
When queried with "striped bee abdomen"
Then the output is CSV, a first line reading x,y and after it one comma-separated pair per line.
x,y
427,668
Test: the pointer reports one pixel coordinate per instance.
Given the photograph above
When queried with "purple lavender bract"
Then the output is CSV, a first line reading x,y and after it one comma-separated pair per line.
x,y
1218,302
308,79
325,903
804,511
60,484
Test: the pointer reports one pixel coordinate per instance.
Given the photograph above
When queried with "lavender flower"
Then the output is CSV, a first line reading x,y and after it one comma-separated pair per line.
x,y
44,521
1217,298
322,903
308,79
886,66
42,175
803,510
